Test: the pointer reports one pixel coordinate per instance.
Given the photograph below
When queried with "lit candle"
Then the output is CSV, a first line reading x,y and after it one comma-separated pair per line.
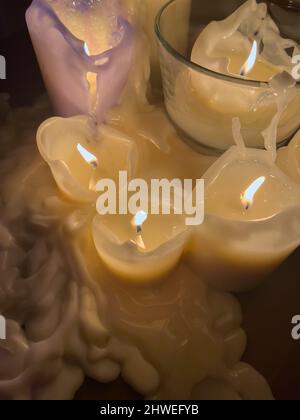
x,y
79,47
245,52
144,247
252,220
80,154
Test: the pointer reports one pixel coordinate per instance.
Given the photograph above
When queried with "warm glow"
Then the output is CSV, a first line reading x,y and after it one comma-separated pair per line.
x,y
250,63
247,197
138,220
87,156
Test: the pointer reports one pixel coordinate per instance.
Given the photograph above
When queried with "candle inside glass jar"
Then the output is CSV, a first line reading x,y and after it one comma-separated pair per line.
x,y
252,218
237,61
245,45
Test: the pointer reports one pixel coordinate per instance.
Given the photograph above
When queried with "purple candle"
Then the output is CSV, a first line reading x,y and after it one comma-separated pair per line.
x,y
85,50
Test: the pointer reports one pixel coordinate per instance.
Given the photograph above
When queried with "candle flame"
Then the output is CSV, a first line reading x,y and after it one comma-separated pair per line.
x,y
247,197
87,156
86,49
139,219
137,222
250,63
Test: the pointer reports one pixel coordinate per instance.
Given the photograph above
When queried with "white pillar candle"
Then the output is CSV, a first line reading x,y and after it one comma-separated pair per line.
x,y
79,154
252,220
248,49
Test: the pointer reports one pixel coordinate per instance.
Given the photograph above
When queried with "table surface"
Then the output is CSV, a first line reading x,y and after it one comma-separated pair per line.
x,y
268,311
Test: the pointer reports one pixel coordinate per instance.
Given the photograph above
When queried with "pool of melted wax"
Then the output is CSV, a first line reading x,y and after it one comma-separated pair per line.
x,y
68,317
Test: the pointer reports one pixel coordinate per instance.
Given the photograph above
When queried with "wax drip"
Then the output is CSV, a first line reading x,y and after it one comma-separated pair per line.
x,y
82,17
282,89
237,135
78,321
93,87
93,138
253,22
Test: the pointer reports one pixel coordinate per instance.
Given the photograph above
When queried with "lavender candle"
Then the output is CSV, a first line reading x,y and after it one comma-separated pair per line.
x,y
79,46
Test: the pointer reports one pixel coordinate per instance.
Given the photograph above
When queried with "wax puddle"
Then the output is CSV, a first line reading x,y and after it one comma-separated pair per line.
x,y
71,318
166,340
171,337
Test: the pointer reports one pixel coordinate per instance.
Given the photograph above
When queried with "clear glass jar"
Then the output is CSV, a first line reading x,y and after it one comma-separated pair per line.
x,y
202,102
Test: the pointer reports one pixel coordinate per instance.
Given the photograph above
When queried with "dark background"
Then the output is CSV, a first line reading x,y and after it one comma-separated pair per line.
x,y
268,311
24,80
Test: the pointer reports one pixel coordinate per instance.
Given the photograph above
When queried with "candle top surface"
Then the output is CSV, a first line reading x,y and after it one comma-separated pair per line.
x,y
270,190
245,45
85,18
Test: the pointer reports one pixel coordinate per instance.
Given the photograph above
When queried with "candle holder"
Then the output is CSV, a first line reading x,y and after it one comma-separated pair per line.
x,y
202,101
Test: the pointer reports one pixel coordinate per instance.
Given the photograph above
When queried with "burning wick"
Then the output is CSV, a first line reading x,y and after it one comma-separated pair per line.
x,y
139,219
137,222
247,197
250,63
87,156
86,49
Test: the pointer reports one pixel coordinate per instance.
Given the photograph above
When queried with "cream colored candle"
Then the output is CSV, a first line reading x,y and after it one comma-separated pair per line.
x,y
80,153
252,220
141,251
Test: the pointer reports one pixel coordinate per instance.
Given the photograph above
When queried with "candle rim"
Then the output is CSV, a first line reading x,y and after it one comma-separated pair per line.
x,y
197,67
235,153
45,137
132,250
250,228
